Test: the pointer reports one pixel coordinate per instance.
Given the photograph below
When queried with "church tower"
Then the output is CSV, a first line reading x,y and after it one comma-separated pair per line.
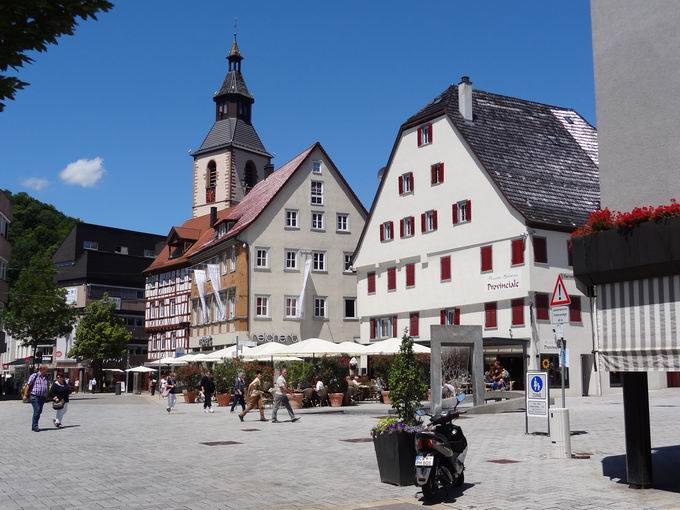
x,y
232,158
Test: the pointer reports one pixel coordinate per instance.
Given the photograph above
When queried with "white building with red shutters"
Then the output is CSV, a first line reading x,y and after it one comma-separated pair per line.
x,y
471,225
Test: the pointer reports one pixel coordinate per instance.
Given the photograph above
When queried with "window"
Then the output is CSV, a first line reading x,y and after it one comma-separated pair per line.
x,y
517,251
410,275
232,253
486,253
428,221
173,307
317,193
149,253
342,222
575,309
570,253
384,327
121,250
350,308
424,135
210,182
553,364
316,167
407,227
231,303
320,307
317,221
347,267
490,315
319,261
370,277
445,268
414,324
90,245
262,306
291,307
262,258
391,278
386,231
406,183
518,312
542,313
461,212
540,250
292,218
437,173
291,260
450,317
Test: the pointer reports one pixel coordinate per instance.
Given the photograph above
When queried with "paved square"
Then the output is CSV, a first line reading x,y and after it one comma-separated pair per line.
x,y
127,452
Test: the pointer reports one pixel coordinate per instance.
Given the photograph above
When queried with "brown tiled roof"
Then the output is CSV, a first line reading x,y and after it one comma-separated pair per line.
x,y
186,233
190,231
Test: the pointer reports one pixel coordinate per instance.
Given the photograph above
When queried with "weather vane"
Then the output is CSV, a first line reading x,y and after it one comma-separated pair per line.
x,y
235,27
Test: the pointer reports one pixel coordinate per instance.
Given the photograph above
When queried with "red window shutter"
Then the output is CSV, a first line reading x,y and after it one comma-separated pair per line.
x,y
382,232
371,283
434,220
390,225
394,326
540,250
487,258
411,181
517,251
445,268
518,312
413,224
542,313
442,317
429,132
570,253
490,315
423,223
469,210
433,174
410,275
456,316
440,170
454,213
401,184
575,309
420,137
401,227
372,329
391,278
414,324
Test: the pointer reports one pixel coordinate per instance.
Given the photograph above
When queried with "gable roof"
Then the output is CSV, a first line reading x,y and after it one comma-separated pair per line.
x,y
190,230
231,132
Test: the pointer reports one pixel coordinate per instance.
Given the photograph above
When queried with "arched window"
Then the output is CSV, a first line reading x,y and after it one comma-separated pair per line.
x,y
210,182
250,176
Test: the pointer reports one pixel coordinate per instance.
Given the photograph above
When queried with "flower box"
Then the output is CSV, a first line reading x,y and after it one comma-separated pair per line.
x,y
396,455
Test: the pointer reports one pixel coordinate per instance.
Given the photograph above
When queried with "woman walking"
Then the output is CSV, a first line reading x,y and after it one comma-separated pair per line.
x,y
170,384
59,393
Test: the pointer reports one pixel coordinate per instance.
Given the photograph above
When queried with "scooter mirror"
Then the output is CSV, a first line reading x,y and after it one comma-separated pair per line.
x,y
460,397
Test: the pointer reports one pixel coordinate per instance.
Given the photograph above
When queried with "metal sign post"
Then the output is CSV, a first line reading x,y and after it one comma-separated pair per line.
x,y
537,397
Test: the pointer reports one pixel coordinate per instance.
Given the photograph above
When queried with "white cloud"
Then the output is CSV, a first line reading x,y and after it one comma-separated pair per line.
x,y
35,183
84,172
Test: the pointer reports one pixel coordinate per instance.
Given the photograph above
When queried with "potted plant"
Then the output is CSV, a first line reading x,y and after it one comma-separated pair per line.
x,y
189,378
333,374
224,375
380,369
394,438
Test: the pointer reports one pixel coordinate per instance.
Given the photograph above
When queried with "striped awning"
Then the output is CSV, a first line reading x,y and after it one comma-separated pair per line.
x,y
638,324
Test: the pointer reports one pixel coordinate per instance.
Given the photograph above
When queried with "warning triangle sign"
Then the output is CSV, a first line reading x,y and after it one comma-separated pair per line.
x,y
560,296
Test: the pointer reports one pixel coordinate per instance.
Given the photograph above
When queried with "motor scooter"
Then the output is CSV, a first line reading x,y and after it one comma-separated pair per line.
x,y
440,452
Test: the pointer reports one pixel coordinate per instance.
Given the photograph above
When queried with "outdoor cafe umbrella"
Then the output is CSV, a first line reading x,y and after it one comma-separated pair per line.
x,y
313,346
267,349
136,370
353,348
392,346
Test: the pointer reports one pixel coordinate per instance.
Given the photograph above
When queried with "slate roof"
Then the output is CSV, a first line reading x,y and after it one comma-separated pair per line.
x,y
234,84
542,158
232,132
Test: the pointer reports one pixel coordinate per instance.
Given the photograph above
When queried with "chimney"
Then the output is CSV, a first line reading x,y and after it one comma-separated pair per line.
x,y
268,170
465,97
213,216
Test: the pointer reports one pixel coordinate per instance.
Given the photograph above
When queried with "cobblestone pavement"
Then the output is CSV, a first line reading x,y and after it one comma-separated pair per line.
x,y
127,452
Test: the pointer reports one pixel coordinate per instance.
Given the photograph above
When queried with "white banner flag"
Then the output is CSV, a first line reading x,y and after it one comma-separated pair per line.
x,y
305,277
214,275
199,275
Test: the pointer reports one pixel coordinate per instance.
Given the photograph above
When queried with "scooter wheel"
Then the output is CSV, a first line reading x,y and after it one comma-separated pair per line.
x,y
430,489
459,481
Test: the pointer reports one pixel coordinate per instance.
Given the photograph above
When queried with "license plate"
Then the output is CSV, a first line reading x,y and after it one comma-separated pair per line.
x,y
427,460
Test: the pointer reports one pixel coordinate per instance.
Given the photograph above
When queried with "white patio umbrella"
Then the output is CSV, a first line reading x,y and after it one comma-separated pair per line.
x,y
266,350
392,346
228,352
189,358
353,348
167,361
313,346
141,369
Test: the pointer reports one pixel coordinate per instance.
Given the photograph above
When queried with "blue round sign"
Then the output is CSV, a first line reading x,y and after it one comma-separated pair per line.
x,y
536,384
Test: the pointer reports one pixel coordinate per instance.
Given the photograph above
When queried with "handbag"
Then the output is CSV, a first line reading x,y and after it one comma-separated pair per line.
x,y
59,404
165,393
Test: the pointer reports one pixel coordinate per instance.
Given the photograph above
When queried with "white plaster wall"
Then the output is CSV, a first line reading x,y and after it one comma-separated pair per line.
x,y
223,165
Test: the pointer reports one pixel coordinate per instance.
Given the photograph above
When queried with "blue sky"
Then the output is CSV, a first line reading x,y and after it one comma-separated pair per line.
x,y
135,89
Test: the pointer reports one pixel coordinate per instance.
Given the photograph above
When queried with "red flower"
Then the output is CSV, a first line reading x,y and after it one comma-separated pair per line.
x,y
605,219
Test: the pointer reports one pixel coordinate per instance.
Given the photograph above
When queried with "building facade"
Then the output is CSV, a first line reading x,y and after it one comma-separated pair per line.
x,y
5,253
283,257
471,225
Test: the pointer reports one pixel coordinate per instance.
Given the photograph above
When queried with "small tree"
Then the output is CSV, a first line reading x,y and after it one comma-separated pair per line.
x,y
100,335
37,313
406,386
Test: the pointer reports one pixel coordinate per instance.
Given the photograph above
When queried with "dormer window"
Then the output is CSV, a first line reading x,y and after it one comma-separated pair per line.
x,y
425,134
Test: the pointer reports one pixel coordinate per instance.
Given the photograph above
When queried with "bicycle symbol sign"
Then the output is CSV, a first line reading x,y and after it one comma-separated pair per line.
x,y
536,384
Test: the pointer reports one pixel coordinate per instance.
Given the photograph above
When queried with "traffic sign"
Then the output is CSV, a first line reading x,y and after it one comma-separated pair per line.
x,y
537,394
560,296
559,315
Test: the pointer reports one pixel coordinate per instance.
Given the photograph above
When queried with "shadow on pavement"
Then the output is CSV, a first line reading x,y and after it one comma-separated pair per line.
x,y
665,467
449,497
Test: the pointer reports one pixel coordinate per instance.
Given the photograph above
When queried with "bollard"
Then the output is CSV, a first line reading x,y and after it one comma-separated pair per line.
x,y
560,433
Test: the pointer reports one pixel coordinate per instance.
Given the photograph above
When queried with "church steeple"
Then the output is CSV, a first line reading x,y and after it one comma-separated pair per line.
x,y
233,100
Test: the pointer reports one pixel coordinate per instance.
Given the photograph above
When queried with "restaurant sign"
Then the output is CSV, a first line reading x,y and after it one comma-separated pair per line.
x,y
282,339
499,282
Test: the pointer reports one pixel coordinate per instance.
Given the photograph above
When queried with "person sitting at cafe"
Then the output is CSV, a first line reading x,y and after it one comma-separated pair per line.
x,y
319,384
355,382
499,376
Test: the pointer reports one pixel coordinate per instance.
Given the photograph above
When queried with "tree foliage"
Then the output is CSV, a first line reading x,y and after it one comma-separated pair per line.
x,y
37,312
32,25
406,386
100,335
36,228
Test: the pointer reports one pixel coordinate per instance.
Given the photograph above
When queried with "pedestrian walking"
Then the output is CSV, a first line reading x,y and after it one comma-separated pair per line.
x,y
208,389
164,380
152,386
59,393
76,385
37,393
254,393
281,397
170,384
93,385
237,393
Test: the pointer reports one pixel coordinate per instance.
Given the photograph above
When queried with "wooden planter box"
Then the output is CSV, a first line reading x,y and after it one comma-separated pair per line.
x,y
336,399
189,396
223,399
396,456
